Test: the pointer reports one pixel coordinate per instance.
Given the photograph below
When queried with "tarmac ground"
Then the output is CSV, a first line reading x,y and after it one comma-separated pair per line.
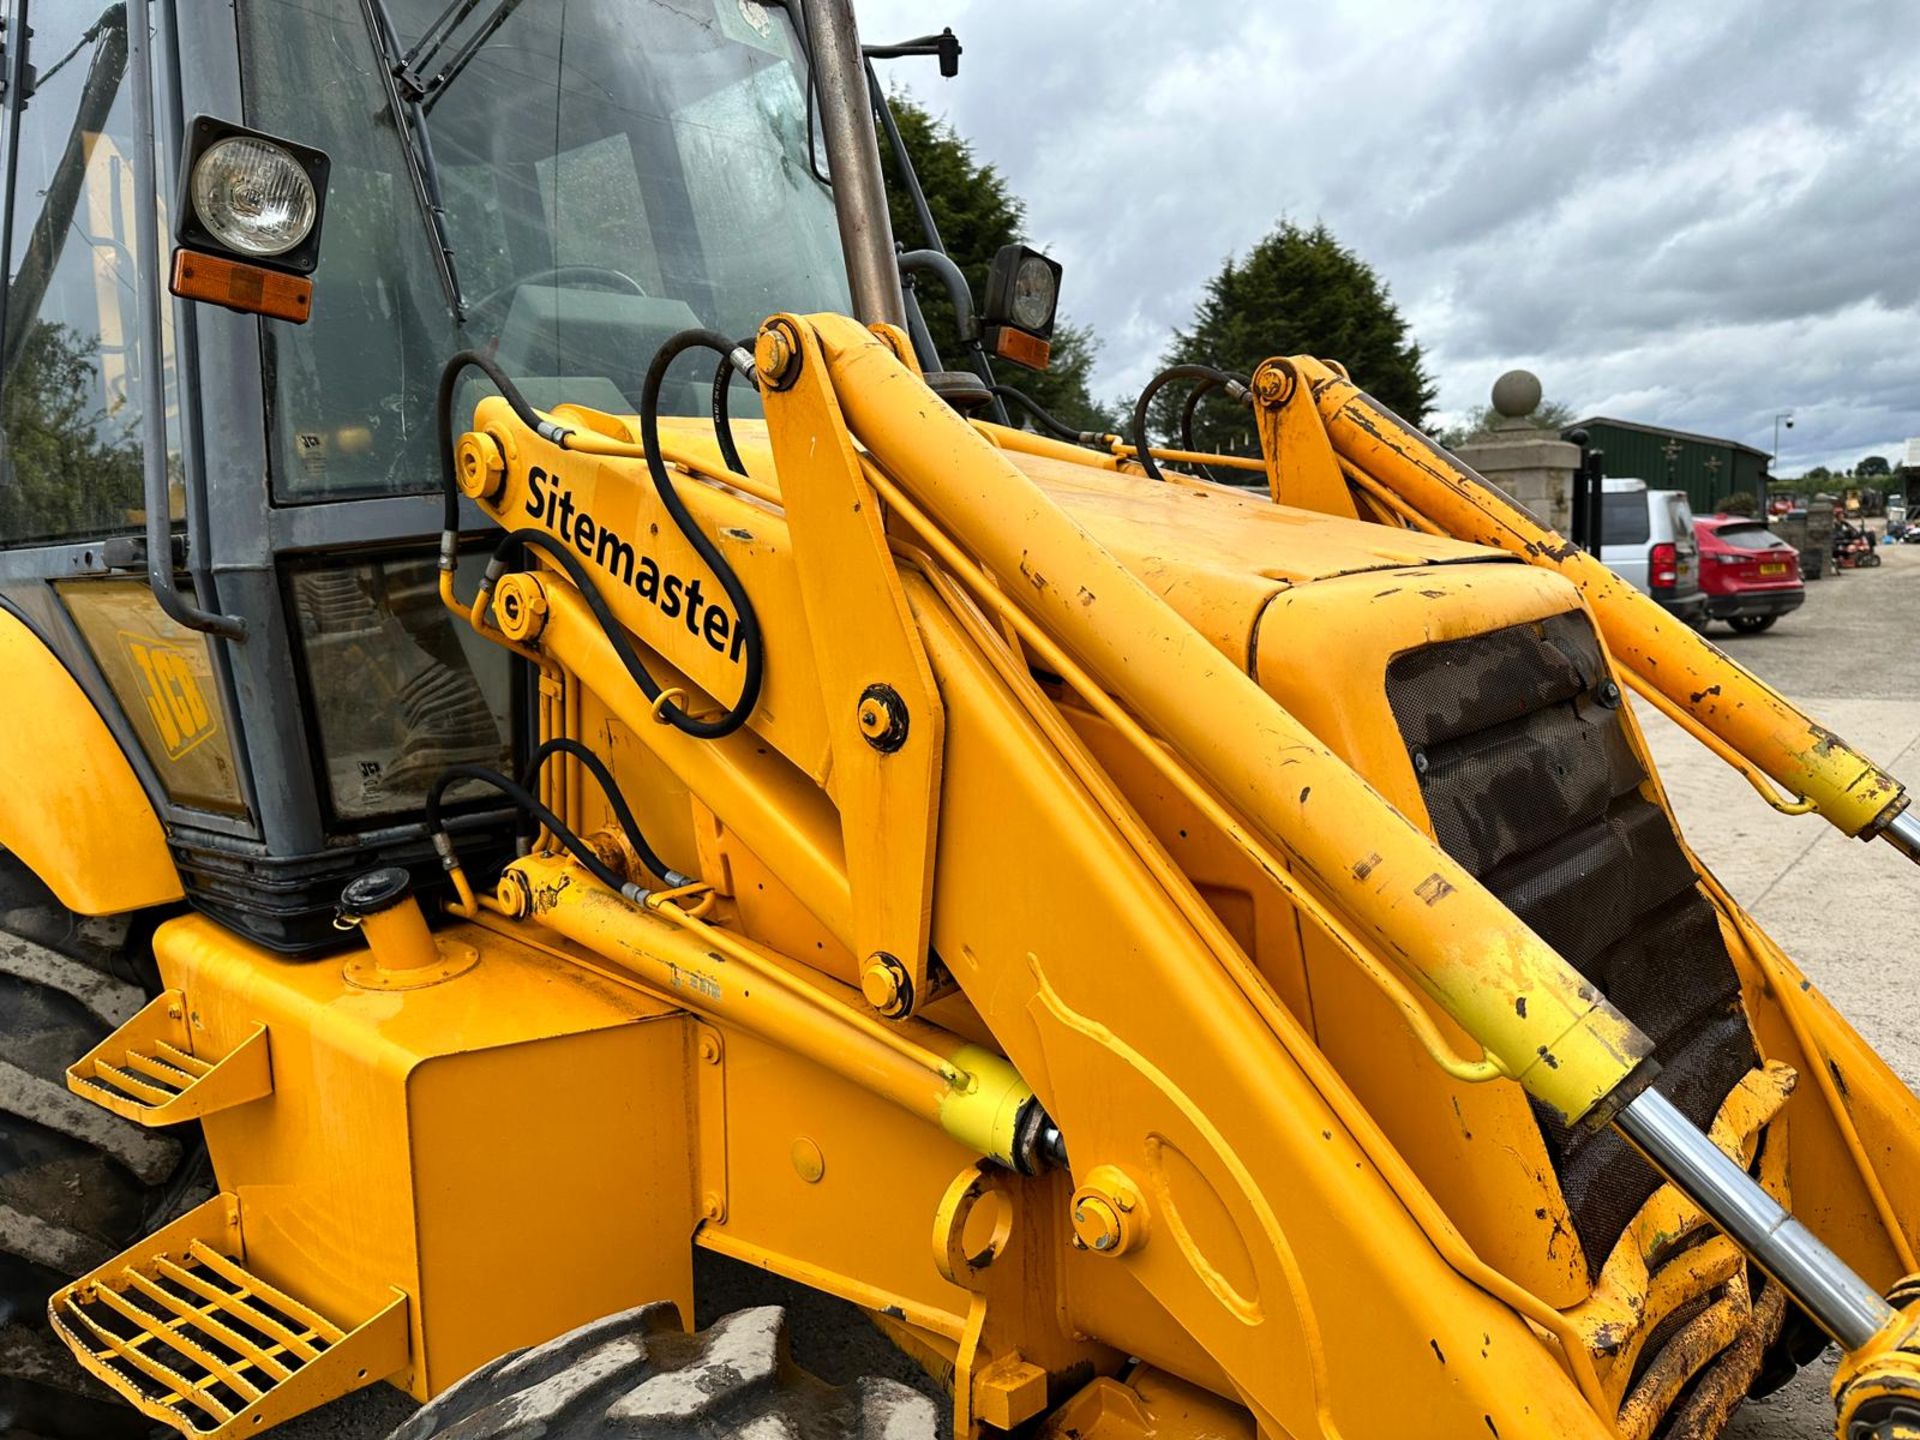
x,y
1851,658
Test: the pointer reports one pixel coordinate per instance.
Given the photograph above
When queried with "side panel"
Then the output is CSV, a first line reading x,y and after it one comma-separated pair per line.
x,y
72,808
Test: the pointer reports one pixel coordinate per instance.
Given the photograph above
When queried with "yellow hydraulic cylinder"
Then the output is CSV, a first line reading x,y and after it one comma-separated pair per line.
x,y
1531,1010
972,1094
1847,788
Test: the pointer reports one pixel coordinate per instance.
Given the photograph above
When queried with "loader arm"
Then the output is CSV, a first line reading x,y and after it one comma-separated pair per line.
x,y
986,540
1133,939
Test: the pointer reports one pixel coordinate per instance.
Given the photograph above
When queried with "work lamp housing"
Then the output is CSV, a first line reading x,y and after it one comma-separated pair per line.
x,y
1023,296
252,197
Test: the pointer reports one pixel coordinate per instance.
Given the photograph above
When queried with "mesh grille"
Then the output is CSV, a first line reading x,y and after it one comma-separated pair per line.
x,y
1533,787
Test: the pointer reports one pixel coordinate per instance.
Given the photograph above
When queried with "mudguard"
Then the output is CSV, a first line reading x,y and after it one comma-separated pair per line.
x,y
72,808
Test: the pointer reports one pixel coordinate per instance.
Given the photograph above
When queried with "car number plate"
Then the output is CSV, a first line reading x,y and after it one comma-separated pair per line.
x,y
1777,568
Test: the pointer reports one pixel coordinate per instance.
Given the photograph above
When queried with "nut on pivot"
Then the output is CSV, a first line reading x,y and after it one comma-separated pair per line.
x,y
1274,382
1109,1213
887,986
520,607
882,716
478,465
776,355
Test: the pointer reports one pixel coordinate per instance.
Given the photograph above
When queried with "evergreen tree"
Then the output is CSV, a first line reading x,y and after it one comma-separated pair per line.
x,y
976,213
1297,292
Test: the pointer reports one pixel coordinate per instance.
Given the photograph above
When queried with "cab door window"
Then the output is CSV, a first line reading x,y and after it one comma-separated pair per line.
x,y
70,425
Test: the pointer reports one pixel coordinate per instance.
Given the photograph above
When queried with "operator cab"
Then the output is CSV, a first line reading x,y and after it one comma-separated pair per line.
x,y
560,187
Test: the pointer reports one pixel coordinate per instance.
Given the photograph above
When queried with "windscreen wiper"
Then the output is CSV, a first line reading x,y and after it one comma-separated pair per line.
x,y
406,99
411,94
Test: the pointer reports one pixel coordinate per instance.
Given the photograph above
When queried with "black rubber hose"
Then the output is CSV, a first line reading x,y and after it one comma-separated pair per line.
x,y
747,621
723,422
511,551
622,812
527,802
1194,397
1154,387
1055,426
443,412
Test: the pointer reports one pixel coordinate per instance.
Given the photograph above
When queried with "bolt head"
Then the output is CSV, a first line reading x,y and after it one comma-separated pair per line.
x,y
774,355
1096,1222
884,983
882,717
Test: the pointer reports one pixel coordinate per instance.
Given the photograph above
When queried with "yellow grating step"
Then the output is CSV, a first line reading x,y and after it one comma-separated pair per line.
x,y
182,1329
148,1070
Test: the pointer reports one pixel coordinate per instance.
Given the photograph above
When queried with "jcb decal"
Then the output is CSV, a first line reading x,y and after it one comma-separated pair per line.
x,y
180,712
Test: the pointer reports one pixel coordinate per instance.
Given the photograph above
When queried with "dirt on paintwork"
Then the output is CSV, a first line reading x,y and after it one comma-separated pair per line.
x,y
1850,657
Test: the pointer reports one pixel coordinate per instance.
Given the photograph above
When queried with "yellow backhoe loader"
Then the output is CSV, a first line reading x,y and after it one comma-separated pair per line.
x,y
548,737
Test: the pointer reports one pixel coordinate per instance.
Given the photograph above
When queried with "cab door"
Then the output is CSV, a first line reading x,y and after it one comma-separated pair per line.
x,y
72,427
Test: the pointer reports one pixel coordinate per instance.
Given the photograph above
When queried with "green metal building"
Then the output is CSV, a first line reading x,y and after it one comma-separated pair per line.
x,y
1707,467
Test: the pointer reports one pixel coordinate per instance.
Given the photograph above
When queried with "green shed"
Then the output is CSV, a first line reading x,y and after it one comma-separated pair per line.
x,y
1707,467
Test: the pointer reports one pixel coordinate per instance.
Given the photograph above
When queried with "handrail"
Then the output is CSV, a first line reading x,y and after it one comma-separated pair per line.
x,y
153,378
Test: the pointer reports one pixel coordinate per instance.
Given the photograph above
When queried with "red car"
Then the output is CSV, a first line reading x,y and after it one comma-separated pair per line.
x,y
1751,575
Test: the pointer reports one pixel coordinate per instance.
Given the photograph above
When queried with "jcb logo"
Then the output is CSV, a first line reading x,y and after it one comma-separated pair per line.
x,y
172,692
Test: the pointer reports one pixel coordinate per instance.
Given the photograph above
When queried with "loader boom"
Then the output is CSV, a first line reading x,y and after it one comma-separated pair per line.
x,y
1182,961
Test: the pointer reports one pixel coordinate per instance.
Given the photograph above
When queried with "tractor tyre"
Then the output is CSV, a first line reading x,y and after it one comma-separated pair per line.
x,y
639,1377
77,1184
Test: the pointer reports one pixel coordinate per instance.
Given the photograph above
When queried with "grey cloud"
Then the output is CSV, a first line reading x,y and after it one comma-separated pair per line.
x,y
1696,215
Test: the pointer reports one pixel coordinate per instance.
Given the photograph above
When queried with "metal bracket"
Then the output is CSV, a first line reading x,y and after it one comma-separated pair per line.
x,y
886,724
1302,469
995,1235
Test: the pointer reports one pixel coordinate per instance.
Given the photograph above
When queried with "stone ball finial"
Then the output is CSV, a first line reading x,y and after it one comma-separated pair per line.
x,y
1516,394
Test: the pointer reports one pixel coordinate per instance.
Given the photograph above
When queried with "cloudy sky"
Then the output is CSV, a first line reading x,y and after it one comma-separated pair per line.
x,y
1694,214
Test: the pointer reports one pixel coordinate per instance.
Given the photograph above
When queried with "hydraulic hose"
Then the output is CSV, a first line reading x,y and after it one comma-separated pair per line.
x,y
511,550
722,421
530,804
1194,397
1049,422
622,812
749,622
1235,387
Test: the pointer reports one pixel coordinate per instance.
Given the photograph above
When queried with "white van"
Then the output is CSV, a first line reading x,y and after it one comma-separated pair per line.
x,y
1646,538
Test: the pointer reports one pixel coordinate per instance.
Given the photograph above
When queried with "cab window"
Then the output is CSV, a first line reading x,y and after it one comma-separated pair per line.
x,y
70,422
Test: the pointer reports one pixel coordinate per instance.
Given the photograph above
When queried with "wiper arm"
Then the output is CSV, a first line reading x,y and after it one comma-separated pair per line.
x,y
452,70
405,97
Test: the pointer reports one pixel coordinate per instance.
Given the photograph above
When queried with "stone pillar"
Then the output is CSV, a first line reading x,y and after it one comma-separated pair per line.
x,y
1533,466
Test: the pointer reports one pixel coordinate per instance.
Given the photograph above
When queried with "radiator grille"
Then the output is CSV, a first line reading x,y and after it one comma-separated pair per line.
x,y
1532,786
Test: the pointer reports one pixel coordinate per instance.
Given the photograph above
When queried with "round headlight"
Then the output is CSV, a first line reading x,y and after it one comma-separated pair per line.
x,y
1033,293
253,197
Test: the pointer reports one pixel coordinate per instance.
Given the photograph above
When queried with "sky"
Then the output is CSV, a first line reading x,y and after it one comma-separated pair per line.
x,y
1698,215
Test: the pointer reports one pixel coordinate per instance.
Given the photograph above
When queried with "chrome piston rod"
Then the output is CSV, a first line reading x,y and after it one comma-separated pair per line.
x,y
1820,1282
1903,833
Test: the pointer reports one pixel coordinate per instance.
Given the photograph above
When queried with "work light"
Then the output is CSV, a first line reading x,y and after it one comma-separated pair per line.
x,y
1023,291
253,196
248,220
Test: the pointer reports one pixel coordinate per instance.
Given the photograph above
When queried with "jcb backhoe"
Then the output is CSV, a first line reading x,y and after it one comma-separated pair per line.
x,y
546,735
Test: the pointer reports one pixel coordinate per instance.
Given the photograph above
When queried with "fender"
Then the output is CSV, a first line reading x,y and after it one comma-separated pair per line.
x,y
72,808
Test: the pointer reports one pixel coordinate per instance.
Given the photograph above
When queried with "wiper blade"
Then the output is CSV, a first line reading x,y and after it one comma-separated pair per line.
x,y
405,98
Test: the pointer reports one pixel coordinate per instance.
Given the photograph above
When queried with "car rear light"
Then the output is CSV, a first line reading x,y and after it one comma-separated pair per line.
x,y
1665,560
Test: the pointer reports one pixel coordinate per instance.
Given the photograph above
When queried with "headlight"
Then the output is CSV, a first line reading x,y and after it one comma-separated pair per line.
x,y
253,197
1023,295
1035,288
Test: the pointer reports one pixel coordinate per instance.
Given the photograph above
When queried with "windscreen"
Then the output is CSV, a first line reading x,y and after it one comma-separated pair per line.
x,y
1750,537
612,171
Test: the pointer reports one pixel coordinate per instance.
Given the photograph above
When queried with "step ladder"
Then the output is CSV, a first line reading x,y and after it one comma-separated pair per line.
x,y
183,1329
151,1070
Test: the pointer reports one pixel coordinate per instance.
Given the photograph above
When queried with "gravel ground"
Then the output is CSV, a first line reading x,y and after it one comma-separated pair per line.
x,y
1849,657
